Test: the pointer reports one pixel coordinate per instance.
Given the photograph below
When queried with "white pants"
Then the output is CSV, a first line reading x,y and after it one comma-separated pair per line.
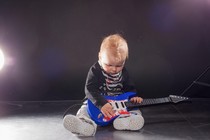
x,y
83,114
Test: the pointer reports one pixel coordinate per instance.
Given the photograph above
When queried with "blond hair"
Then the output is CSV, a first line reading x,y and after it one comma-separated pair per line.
x,y
116,46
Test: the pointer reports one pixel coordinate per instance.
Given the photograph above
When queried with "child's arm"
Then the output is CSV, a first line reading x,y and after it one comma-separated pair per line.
x,y
92,88
129,86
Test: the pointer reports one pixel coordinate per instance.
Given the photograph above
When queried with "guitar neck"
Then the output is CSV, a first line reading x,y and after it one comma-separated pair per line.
x,y
146,102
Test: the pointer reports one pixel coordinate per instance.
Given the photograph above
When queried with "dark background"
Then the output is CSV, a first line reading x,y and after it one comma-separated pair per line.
x,y
50,45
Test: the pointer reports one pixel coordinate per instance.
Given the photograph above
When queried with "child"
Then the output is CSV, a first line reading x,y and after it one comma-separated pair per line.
x,y
109,77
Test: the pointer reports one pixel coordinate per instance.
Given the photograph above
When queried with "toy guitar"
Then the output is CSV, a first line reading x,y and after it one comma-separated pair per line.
x,y
121,105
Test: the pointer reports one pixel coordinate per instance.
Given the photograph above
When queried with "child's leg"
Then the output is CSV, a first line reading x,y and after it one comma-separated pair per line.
x,y
135,121
81,124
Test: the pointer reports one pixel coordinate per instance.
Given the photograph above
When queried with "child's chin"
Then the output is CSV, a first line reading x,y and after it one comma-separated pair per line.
x,y
113,73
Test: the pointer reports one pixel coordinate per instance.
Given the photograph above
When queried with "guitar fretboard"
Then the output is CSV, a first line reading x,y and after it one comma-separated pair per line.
x,y
148,102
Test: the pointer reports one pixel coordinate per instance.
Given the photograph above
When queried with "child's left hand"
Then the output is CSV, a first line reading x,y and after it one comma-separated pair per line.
x,y
136,99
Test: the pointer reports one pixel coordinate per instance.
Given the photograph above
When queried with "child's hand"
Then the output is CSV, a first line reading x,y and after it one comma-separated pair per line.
x,y
136,99
107,110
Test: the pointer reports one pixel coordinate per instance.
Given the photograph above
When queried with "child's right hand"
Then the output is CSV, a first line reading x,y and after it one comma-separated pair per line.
x,y
107,110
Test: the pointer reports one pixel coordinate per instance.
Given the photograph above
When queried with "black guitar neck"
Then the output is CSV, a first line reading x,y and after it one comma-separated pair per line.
x,y
146,102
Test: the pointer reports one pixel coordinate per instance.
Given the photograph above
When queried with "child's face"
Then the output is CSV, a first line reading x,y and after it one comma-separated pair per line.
x,y
110,65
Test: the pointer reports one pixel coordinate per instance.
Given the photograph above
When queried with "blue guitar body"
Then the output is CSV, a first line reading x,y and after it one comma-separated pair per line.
x,y
97,116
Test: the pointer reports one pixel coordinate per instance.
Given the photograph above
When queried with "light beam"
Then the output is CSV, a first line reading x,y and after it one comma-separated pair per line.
x,y
1,59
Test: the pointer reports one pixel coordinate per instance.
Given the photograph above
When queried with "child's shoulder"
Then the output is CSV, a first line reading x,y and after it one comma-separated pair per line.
x,y
95,68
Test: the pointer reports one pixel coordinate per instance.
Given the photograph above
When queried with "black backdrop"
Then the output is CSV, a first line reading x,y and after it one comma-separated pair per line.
x,y
50,45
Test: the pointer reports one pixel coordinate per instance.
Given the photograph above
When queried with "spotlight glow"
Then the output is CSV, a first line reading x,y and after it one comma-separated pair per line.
x,y
1,59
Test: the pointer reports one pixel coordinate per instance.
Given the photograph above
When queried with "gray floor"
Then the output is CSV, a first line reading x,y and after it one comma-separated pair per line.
x,y
43,121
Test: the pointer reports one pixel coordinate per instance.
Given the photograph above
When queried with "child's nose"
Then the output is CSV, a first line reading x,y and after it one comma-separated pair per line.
x,y
114,69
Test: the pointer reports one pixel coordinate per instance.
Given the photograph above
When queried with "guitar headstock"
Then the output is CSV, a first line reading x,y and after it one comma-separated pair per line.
x,y
176,99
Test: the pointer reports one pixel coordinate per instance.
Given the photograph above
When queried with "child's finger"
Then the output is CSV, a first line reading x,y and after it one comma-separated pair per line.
x,y
133,99
136,99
